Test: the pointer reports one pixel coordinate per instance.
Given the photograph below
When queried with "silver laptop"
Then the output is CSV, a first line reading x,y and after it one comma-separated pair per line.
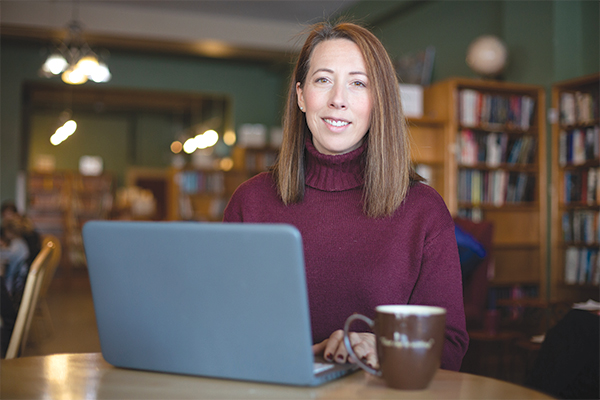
x,y
211,299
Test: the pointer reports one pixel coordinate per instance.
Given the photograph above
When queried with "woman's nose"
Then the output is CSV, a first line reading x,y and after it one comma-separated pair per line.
x,y
338,97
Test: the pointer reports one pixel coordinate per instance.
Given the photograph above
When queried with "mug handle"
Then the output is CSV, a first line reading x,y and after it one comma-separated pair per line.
x,y
348,345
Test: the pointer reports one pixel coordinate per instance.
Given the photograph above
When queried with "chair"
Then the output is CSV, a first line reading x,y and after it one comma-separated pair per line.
x,y
475,287
33,285
42,307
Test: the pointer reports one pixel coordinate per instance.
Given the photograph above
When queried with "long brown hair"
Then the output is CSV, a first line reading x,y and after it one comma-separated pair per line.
x,y
388,170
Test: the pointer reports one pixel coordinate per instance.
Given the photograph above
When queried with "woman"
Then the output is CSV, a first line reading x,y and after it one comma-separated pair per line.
x,y
372,233
14,254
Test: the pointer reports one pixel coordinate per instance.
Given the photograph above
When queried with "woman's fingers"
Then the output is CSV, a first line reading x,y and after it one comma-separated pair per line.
x,y
333,349
363,345
319,347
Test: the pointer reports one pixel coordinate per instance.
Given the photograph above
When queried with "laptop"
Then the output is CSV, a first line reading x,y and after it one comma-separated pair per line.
x,y
222,300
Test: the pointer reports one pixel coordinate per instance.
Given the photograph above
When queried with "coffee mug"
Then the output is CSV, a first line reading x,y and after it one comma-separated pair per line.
x,y
410,339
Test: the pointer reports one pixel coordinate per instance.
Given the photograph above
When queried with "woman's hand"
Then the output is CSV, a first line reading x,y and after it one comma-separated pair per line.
x,y
333,349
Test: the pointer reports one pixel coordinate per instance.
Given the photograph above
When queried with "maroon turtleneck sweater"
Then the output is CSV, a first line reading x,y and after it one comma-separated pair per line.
x,y
353,262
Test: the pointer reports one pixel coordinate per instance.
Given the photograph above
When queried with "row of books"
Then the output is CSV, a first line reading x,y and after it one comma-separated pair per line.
x,y
99,204
578,146
581,226
582,266
495,187
579,107
92,183
475,214
45,182
484,109
193,182
513,292
494,149
582,186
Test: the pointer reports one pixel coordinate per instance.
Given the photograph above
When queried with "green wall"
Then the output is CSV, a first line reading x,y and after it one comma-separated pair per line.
x,y
254,89
548,41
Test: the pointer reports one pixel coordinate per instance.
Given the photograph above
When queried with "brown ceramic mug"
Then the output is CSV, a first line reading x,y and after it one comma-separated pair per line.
x,y
410,339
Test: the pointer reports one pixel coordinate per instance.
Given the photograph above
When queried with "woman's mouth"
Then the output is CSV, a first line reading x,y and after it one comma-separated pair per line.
x,y
335,122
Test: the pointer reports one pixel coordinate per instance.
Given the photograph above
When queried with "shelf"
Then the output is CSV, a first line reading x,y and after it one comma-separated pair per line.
x,y
511,131
531,168
575,268
496,137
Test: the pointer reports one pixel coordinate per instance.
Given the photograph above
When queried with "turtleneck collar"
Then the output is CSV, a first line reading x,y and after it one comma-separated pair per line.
x,y
334,173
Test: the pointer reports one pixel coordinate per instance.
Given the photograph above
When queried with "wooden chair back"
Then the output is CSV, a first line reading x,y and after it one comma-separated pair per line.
x,y
52,263
33,285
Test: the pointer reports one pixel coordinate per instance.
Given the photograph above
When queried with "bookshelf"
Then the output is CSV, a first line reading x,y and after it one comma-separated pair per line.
x,y
494,157
59,203
200,194
575,212
253,160
429,155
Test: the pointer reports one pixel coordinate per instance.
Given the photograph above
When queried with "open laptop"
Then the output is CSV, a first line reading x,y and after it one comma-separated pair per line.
x,y
219,300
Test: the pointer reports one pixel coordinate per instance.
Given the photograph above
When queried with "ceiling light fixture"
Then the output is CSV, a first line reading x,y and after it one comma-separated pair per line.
x,y
74,60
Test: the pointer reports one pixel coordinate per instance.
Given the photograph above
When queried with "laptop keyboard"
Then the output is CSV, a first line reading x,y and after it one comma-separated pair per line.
x,y
320,367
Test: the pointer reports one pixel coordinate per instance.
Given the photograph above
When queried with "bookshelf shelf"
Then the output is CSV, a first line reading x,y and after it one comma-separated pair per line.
x,y
575,215
495,169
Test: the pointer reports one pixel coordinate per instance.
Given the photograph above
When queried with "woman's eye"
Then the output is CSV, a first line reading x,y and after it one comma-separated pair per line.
x,y
321,80
359,84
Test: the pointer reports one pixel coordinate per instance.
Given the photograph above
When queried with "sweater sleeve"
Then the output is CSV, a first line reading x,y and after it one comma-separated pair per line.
x,y
440,284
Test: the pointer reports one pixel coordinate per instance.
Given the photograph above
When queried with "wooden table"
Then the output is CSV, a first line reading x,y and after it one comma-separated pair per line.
x,y
88,376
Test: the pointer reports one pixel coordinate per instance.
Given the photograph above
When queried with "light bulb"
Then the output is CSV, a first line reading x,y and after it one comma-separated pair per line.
x,y
87,64
176,147
190,146
101,73
74,76
207,139
229,138
212,137
55,64
63,132
70,127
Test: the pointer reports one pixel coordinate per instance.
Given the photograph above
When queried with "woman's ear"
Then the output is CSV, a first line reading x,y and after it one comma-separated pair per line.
x,y
300,95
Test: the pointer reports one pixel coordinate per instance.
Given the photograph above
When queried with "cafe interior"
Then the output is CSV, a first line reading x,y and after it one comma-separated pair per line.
x,y
158,110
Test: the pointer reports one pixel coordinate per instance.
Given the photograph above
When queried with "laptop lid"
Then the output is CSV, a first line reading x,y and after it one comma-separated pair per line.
x,y
211,299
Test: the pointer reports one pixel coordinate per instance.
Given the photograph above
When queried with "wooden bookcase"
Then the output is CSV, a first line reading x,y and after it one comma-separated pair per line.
x,y
202,194
575,210
60,203
474,127
253,160
429,153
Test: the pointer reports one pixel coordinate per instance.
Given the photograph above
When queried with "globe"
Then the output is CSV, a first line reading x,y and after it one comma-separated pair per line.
x,y
487,55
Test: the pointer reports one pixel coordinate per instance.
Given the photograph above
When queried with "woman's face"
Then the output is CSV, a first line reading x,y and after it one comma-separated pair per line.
x,y
336,97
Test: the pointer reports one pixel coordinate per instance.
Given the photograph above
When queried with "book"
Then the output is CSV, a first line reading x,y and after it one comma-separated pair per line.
x,y
567,108
571,265
562,148
468,101
494,150
578,147
468,147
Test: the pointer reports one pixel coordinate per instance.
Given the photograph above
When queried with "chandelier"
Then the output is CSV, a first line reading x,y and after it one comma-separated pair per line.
x,y
74,60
